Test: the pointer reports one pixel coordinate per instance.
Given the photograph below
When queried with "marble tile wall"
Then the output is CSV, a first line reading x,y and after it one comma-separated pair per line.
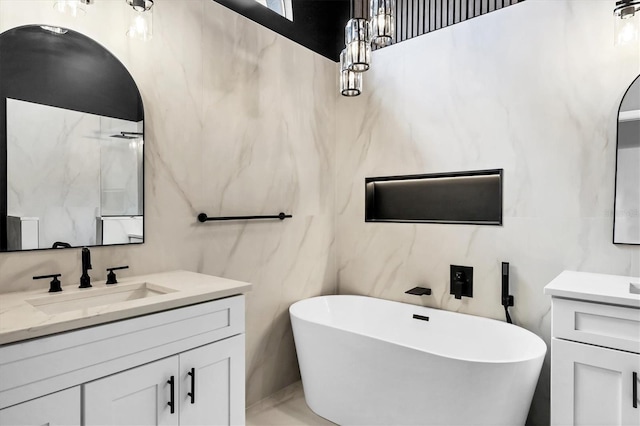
x,y
534,89
238,121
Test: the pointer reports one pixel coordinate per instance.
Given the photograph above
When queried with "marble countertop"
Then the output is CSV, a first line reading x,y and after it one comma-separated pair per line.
x,y
612,289
23,314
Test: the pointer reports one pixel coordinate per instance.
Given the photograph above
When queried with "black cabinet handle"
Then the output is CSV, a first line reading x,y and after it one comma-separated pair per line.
x,y
171,402
192,394
635,389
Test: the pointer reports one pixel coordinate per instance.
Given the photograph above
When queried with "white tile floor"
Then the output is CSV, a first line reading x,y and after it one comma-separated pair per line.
x,y
284,408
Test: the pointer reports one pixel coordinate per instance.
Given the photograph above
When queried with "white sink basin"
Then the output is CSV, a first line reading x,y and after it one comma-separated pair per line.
x,y
93,297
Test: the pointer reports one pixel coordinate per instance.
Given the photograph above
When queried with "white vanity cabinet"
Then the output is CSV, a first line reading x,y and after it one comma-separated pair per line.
x,y
202,386
595,350
123,368
58,409
592,385
134,397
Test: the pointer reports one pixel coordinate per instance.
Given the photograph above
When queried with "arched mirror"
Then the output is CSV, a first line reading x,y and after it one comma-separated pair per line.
x,y
71,143
626,225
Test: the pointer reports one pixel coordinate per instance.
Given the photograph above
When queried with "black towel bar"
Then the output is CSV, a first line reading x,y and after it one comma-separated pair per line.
x,y
202,217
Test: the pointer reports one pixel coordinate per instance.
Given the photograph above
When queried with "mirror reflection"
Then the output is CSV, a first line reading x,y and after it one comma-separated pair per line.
x,y
72,177
71,143
281,7
627,202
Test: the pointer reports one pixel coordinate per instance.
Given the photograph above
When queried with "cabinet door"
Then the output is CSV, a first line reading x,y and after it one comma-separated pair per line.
x,y
591,385
139,396
218,381
60,408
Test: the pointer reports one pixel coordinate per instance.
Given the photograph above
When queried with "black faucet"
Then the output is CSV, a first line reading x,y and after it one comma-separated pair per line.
x,y
419,291
85,279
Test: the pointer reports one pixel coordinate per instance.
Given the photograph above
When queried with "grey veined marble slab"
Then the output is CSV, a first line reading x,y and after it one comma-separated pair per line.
x,y
29,314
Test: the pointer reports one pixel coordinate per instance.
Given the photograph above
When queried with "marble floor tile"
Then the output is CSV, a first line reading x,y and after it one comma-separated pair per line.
x,y
286,407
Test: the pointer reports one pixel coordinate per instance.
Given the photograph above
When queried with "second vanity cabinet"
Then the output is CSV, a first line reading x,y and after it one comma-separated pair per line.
x,y
183,366
595,350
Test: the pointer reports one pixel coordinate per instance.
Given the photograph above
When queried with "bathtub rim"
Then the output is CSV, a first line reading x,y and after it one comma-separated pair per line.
x,y
538,354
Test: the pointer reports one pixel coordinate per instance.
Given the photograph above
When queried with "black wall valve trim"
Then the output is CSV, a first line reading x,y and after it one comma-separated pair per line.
x,y
419,291
111,276
461,281
54,285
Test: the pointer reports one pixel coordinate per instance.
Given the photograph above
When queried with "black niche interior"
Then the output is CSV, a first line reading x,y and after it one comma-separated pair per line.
x,y
68,71
472,198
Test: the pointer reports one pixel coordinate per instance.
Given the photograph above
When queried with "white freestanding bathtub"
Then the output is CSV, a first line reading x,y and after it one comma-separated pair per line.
x,y
367,361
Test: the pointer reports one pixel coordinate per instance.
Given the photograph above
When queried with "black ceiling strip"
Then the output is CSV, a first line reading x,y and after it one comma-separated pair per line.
x,y
317,25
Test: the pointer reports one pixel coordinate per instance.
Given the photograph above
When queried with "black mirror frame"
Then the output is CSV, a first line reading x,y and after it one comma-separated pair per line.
x,y
615,177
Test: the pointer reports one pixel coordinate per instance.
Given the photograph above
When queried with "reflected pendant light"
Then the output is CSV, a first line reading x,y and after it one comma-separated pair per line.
x,y
626,17
141,25
350,81
382,22
74,8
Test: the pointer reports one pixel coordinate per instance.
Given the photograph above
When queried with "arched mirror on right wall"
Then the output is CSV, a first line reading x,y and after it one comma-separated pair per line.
x,y
626,223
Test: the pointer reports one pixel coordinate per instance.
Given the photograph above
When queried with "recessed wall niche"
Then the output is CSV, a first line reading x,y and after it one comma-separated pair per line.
x,y
472,197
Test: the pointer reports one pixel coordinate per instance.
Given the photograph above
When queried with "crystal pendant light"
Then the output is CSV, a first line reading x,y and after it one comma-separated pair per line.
x,y
360,34
382,22
74,8
626,17
350,81
358,40
141,26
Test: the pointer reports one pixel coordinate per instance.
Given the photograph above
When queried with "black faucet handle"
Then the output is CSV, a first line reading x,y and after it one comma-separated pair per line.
x,y
111,276
54,285
419,291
